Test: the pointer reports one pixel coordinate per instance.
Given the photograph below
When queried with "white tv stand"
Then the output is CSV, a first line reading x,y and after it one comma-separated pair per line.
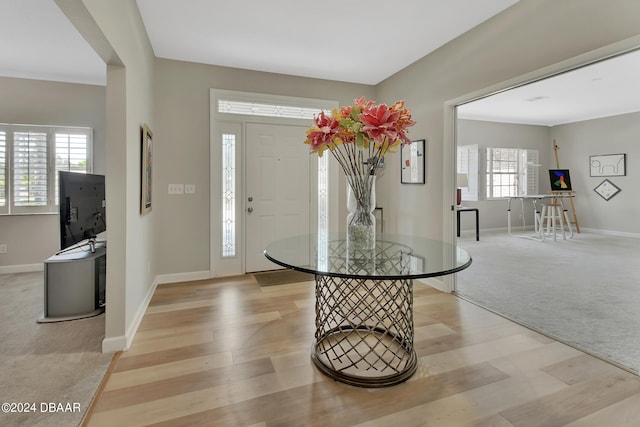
x,y
74,284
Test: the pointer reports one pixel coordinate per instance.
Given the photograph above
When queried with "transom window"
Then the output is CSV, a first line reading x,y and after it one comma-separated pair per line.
x,y
229,106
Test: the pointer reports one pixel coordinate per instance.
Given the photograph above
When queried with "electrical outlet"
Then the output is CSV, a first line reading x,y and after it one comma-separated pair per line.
x,y
3,249
189,189
176,188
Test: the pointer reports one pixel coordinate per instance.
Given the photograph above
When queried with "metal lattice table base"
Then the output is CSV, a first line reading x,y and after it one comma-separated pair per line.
x,y
364,330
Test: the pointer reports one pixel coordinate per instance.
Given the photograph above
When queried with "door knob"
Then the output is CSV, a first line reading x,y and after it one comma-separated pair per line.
x,y
249,209
250,199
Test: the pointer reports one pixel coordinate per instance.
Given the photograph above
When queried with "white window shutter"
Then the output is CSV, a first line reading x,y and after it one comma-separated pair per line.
x,y
532,171
71,152
30,169
71,155
468,164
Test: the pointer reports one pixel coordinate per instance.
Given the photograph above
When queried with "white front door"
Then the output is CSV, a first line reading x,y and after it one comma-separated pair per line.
x,y
277,189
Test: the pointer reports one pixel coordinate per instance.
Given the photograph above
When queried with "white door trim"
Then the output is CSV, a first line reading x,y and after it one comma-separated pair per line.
x,y
218,265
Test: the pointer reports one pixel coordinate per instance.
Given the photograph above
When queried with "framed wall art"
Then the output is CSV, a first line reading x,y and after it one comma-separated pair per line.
x,y
146,168
607,189
608,165
560,180
412,158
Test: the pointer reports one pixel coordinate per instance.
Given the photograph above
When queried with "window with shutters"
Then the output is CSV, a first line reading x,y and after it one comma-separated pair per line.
x,y
467,164
72,152
30,169
30,158
511,172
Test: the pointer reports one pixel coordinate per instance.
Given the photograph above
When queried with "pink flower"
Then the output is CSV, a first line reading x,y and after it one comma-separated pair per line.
x,y
345,111
380,122
362,103
404,121
321,135
360,135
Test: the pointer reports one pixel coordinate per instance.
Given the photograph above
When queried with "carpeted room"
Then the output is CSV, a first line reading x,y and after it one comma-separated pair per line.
x,y
580,289
40,363
583,291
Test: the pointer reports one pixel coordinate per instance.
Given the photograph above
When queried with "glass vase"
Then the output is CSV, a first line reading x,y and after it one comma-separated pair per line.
x,y
361,223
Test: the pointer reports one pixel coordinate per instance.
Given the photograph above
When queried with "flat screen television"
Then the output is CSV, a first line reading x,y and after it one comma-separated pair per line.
x,y
81,197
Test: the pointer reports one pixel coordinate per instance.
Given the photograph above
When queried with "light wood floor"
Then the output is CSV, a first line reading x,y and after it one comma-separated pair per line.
x,y
227,352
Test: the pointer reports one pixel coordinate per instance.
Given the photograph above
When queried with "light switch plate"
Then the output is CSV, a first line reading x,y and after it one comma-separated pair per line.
x,y
176,188
189,188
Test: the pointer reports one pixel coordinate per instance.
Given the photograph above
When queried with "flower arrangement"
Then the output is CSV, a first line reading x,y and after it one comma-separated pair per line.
x,y
358,136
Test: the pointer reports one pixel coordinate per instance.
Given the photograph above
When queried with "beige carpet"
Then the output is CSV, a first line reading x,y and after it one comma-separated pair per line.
x,y
584,291
58,363
280,277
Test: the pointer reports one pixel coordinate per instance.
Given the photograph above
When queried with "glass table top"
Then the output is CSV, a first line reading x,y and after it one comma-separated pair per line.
x,y
394,257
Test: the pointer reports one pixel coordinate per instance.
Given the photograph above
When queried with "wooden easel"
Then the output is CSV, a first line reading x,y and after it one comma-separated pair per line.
x,y
554,201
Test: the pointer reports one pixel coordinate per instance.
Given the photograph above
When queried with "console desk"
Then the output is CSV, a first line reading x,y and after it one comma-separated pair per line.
x,y
364,301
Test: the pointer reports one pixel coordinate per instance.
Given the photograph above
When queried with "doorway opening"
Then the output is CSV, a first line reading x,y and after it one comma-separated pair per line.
x,y
570,305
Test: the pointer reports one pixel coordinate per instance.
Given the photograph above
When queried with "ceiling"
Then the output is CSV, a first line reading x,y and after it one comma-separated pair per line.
x,y
602,89
355,41
38,42
361,41
340,41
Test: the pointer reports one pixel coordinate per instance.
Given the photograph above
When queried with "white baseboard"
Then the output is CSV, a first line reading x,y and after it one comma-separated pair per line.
x,y
431,281
23,268
111,345
137,319
122,343
611,232
183,277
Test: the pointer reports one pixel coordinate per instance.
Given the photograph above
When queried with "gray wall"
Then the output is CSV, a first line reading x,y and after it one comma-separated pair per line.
x,y
115,29
493,213
529,36
576,142
181,137
611,135
33,238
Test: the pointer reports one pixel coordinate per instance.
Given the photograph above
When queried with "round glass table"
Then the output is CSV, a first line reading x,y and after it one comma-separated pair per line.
x,y
364,300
